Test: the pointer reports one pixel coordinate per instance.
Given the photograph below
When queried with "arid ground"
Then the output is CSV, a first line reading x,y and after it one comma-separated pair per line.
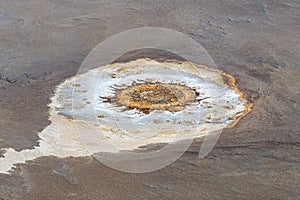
x,y
258,42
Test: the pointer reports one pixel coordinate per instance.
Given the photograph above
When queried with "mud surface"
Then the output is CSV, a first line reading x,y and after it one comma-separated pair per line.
x,y
258,42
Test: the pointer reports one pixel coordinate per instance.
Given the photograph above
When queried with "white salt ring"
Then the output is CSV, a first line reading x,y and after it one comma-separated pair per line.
x,y
111,127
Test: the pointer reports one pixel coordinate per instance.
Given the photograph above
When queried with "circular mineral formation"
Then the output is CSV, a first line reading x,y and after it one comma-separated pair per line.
x,y
157,96
123,107
152,100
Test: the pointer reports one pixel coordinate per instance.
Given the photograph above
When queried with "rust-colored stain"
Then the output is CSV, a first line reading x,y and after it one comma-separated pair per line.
x,y
231,81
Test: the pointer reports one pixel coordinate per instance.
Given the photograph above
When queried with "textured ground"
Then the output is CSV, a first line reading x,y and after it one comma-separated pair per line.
x,y
44,42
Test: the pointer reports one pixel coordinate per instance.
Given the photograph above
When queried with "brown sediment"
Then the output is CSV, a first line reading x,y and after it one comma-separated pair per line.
x,y
101,116
156,96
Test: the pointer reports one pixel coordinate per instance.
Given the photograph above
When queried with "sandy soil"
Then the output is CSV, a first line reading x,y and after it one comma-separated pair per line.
x,y
44,42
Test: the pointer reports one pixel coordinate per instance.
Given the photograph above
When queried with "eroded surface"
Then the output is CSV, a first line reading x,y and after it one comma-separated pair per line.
x,y
44,42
